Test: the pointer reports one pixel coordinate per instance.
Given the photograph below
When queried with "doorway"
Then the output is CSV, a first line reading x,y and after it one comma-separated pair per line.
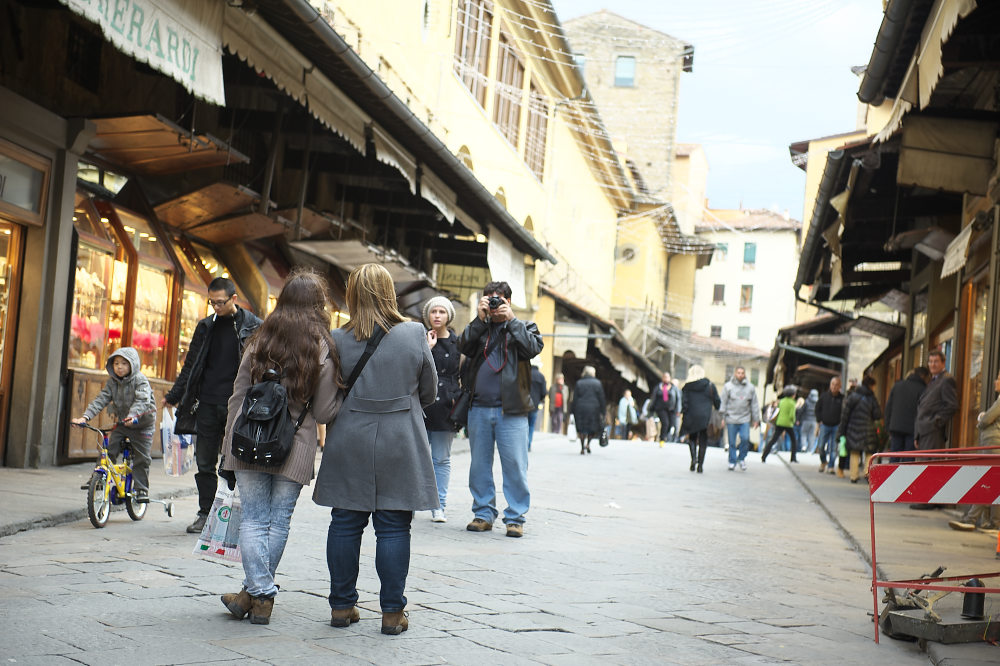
x,y
11,244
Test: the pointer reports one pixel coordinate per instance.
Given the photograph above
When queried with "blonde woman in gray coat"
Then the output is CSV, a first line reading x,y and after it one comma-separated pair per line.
x,y
294,340
377,460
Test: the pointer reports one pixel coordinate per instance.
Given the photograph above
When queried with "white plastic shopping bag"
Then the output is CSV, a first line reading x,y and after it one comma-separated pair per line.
x,y
571,428
178,450
220,538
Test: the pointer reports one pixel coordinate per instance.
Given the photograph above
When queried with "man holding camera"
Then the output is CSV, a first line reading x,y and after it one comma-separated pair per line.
x,y
498,347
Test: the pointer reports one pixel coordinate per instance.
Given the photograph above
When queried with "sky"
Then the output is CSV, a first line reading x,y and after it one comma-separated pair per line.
x,y
766,74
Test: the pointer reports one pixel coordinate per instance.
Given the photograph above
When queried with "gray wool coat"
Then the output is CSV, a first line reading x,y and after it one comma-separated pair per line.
x,y
377,456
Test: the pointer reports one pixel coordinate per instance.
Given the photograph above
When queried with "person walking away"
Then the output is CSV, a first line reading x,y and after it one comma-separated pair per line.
x,y
828,409
133,407
741,411
984,516
627,416
784,423
901,410
699,396
538,391
589,407
558,402
205,384
438,314
377,462
807,422
857,423
499,346
665,400
295,341
936,406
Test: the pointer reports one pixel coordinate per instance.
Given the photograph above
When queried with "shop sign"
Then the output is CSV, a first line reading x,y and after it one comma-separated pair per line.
x,y
180,38
957,252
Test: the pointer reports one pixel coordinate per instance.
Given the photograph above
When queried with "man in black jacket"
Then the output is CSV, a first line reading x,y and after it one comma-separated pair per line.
x,y
205,384
901,410
828,409
498,346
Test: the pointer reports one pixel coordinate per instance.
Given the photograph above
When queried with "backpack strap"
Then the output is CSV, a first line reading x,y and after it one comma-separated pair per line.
x,y
370,348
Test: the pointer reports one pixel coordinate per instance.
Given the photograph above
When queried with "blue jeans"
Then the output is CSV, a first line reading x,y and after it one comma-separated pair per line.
x,y
532,417
489,426
392,556
441,457
900,442
267,501
827,444
809,439
741,430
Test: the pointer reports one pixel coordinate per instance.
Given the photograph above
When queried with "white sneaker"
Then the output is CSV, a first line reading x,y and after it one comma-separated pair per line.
x,y
743,465
437,516
732,466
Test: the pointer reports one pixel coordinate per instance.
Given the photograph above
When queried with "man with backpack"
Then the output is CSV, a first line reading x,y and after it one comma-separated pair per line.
x,y
666,401
205,384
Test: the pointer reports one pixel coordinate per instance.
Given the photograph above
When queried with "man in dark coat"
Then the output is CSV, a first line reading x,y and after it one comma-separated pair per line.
x,y
589,408
936,406
828,409
901,409
205,384
538,391
499,346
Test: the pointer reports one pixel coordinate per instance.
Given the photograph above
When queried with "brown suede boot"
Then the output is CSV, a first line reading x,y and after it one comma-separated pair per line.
x,y
394,623
260,610
344,617
238,604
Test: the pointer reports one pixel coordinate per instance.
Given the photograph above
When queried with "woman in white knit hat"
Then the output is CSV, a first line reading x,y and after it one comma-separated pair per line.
x,y
438,314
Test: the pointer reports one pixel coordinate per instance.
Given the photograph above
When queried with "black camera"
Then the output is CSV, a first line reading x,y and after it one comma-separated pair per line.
x,y
495,302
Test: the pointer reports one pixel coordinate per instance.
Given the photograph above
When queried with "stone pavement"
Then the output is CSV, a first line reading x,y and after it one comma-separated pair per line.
x,y
627,558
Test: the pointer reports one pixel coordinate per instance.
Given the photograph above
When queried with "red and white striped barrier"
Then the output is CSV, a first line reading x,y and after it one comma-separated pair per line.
x,y
938,483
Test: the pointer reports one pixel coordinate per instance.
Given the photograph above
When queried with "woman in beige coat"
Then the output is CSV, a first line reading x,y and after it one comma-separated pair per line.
x,y
294,340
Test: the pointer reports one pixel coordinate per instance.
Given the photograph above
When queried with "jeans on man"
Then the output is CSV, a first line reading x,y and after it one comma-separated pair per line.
x,y
738,451
827,444
211,426
900,442
267,502
809,438
441,457
392,556
490,428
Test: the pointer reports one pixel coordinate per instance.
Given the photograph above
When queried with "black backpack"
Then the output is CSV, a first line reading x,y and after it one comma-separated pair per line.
x,y
264,431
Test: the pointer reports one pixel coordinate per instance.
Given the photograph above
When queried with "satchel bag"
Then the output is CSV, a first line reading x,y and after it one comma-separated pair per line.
x,y
715,424
187,420
459,414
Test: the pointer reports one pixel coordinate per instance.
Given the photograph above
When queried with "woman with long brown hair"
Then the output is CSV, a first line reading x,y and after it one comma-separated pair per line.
x,y
377,461
295,341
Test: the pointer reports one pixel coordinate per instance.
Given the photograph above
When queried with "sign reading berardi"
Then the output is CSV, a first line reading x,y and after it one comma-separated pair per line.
x,y
181,38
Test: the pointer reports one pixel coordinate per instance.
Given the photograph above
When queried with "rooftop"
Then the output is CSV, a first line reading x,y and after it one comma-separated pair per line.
x,y
746,220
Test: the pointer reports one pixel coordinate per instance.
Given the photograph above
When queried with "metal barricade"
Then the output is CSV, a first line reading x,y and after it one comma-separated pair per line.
x,y
936,476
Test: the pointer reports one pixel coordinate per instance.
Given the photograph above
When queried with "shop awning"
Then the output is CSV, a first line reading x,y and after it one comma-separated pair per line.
x,y
154,146
205,204
180,38
242,227
949,154
349,254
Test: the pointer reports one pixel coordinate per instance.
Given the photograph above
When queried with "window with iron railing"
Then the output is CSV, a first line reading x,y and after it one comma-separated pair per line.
x,y
473,26
509,93
535,134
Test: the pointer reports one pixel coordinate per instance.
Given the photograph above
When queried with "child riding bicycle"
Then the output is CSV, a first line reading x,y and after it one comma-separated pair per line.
x,y
132,403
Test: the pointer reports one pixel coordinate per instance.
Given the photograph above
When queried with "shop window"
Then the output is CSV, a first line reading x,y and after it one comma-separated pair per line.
x,y
474,24
719,294
749,255
743,332
194,307
24,179
535,136
746,298
509,90
716,332
625,71
95,261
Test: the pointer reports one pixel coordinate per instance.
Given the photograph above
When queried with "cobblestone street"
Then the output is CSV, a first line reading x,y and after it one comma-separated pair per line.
x,y
627,558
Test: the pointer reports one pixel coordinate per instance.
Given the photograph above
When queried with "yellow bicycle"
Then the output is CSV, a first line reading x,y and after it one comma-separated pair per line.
x,y
111,484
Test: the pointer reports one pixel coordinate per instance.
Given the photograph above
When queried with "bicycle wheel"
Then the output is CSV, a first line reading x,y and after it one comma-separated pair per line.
x,y
98,502
136,510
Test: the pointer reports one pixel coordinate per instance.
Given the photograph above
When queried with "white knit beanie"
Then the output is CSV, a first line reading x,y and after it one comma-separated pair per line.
x,y
438,301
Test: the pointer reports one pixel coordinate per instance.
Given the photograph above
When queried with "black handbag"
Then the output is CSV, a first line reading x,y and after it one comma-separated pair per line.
x,y
186,420
604,436
459,414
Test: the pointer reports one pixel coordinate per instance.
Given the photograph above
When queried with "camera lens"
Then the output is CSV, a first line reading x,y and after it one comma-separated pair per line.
x,y
495,302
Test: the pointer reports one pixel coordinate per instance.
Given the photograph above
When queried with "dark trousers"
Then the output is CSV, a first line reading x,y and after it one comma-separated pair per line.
x,y
392,556
140,442
211,424
666,423
776,432
900,442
